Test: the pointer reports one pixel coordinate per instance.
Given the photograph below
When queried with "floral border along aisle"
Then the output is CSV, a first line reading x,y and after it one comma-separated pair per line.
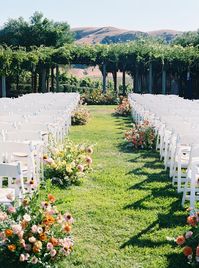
x,y
141,136
190,241
68,163
34,234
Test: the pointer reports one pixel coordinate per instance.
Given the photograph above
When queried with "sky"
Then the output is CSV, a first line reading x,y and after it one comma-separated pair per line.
x,y
143,15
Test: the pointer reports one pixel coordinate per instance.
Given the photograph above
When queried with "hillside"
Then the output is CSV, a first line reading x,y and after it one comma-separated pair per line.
x,y
107,35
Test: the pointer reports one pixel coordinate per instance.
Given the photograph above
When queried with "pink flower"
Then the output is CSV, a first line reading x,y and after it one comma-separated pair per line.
x,y
27,217
49,246
2,235
3,216
49,161
68,218
20,234
188,234
10,196
89,160
11,209
27,247
22,258
34,229
80,168
53,252
17,228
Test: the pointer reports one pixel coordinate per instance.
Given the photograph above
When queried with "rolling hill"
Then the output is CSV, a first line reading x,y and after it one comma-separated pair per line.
x,y
107,35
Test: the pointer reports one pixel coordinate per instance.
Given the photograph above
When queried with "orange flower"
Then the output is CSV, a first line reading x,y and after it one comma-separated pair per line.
x,y
180,240
187,251
49,220
67,228
35,249
12,247
24,224
192,220
25,202
42,237
8,232
54,241
51,198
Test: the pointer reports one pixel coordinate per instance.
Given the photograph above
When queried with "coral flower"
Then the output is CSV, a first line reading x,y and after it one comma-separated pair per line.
x,y
187,251
191,220
67,228
180,240
54,241
8,232
197,251
12,247
51,198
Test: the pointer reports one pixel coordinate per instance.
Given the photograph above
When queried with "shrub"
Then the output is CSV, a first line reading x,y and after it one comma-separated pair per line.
x,y
95,97
80,116
141,136
124,108
34,234
189,240
68,163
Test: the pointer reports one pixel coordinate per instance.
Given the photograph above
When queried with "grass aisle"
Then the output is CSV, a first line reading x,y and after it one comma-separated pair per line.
x,y
126,209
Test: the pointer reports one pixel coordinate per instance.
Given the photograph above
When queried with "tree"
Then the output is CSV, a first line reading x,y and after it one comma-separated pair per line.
x,y
36,32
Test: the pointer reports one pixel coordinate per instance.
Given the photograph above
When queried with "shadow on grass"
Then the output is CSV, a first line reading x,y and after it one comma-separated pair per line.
x,y
157,186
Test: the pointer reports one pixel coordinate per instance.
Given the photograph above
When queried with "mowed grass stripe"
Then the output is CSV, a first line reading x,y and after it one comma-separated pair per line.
x,y
125,210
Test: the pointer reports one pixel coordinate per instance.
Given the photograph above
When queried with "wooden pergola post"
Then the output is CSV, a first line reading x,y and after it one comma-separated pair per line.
x,y
3,81
104,78
163,80
150,85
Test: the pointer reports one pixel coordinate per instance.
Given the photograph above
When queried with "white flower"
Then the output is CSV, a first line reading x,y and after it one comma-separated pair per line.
x,y
10,196
34,260
32,239
40,230
22,258
27,217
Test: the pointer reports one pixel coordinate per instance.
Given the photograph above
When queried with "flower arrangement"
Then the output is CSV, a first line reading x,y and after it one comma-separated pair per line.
x,y
96,97
80,116
141,136
34,234
189,240
124,108
68,163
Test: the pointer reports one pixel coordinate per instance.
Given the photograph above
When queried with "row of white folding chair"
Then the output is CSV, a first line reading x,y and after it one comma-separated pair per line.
x,y
11,182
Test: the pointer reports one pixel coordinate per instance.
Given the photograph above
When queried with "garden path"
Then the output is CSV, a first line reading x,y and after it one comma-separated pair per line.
x,y
127,208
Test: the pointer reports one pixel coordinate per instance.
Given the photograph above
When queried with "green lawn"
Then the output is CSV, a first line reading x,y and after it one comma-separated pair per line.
x,y
127,208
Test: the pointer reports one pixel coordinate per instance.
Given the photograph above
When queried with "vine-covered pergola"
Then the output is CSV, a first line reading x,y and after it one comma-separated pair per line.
x,y
152,65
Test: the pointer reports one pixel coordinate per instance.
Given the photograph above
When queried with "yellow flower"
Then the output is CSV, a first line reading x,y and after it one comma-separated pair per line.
x,y
68,168
38,244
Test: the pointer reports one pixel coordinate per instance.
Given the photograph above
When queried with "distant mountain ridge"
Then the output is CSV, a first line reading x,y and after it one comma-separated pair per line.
x,y
107,35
